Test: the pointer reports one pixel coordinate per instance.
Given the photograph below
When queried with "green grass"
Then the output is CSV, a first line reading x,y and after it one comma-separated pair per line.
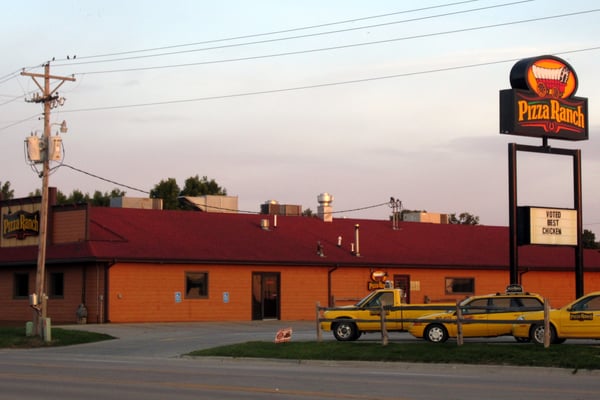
x,y
571,356
13,337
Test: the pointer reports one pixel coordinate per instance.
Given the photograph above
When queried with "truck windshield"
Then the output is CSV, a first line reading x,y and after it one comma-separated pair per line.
x,y
365,300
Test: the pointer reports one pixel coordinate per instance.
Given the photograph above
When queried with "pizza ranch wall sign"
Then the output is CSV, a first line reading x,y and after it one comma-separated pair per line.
x,y
541,102
378,279
20,225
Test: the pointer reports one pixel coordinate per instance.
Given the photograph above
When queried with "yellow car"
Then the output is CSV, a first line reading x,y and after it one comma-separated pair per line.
x,y
577,320
479,314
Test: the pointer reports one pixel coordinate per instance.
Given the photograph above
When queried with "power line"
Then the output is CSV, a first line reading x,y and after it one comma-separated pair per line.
x,y
274,32
303,36
306,87
104,179
215,207
340,47
20,122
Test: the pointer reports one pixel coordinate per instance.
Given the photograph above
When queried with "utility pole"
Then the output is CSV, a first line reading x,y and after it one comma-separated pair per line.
x,y
50,99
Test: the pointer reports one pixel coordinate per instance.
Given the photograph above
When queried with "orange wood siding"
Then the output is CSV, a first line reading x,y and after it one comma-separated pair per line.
x,y
68,227
145,292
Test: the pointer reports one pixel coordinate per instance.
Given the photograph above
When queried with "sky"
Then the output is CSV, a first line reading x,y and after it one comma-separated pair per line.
x,y
283,100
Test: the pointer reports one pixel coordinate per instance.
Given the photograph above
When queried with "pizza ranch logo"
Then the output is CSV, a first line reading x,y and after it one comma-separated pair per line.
x,y
550,77
542,103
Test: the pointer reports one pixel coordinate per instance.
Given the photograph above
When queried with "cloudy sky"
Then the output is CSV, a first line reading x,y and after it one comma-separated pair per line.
x,y
283,100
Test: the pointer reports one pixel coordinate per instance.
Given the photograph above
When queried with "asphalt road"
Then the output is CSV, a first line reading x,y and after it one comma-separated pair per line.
x,y
145,362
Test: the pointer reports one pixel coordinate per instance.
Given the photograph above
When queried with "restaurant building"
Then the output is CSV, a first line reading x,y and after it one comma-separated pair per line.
x,y
154,265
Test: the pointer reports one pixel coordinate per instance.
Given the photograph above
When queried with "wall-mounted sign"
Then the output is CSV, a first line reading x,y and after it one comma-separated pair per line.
x,y
20,224
378,279
541,102
379,276
552,226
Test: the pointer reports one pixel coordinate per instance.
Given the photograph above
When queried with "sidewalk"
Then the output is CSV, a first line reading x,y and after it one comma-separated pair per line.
x,y
175,339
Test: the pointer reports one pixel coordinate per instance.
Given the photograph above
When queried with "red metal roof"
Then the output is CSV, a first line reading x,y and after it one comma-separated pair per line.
x,y
196,237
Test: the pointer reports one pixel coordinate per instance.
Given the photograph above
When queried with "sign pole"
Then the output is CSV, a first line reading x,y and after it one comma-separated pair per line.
x,y
512,214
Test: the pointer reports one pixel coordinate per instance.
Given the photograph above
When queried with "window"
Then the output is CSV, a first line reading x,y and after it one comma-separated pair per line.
x,y
196,285
386,299
478,306
57,285
460,285
21,289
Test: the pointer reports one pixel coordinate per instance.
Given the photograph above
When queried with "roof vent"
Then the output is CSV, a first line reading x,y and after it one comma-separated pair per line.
x,y
264,224
324,210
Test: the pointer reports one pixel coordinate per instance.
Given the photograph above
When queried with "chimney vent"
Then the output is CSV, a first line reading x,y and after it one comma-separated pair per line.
x,y
357,249
324,210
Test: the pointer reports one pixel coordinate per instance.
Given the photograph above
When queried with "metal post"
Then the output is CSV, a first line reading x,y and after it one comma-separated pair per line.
x,y
512,214
579,290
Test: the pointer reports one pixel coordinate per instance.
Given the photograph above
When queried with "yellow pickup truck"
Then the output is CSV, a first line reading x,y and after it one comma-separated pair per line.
x,y
349,322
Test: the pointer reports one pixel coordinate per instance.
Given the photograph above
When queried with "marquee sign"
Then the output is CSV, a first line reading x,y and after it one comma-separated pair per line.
x,y
549,226
541,102
20,224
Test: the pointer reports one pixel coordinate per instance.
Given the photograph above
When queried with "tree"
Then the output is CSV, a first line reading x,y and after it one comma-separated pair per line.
x,y
194,186
103,199
463,218
6,193
589,240
168,191
76,197
308,213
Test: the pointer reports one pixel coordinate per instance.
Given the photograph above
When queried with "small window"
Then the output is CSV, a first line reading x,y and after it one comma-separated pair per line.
x,y
460,285
21,289
57,285
531,304
196,285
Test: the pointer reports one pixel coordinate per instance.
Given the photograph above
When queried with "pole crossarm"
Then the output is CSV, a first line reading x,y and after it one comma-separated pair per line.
x,y
47,77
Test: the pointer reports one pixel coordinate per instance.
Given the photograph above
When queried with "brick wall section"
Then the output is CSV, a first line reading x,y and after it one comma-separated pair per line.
x,y
15,309
59,309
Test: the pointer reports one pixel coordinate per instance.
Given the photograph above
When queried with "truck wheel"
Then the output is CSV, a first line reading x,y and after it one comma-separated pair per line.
x,y
345,331
436,333
537,334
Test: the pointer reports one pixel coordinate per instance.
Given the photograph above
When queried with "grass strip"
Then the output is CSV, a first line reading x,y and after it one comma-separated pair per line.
x,y
14,337
573,356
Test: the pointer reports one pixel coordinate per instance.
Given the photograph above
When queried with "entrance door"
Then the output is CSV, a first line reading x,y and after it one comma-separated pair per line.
x,y
403,282
265,295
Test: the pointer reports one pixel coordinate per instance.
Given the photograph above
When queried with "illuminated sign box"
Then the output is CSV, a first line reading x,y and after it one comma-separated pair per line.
x,y
522,113
547,226
542,101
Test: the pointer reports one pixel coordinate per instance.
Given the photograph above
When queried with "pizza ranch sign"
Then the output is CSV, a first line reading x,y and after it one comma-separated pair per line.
x,y
20,225
541,101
